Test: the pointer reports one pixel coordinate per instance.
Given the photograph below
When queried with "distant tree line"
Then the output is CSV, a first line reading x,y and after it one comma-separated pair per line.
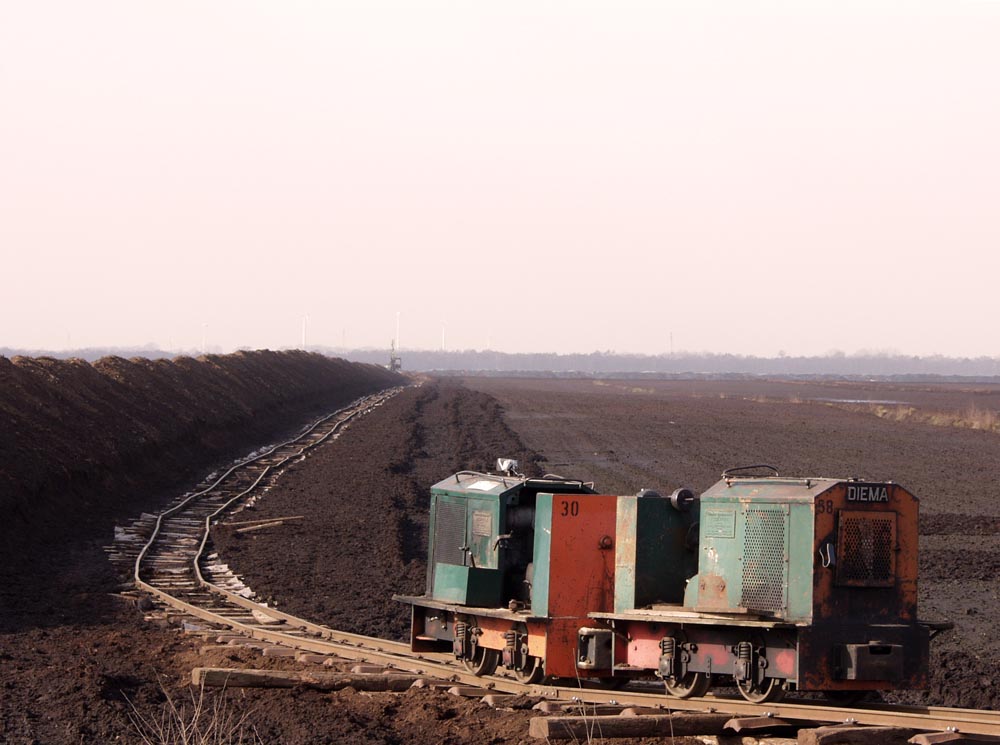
x,y
861,365
637,365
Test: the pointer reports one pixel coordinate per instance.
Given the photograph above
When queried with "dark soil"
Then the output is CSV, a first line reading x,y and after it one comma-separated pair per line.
x,y
70,653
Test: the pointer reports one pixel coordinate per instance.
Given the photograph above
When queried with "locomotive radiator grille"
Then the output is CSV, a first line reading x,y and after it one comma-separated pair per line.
x,y
449,533
764,566
866,545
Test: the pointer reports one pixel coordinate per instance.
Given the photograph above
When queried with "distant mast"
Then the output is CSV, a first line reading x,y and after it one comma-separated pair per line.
x,y
395,363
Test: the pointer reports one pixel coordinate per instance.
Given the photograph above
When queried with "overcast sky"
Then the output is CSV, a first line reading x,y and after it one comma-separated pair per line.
x,y
742,177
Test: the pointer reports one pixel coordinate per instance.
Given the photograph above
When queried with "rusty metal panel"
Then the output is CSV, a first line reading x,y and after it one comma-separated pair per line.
x,y
866,554
774,489
866,549
710,647
825,657
574,569
872,661
712,592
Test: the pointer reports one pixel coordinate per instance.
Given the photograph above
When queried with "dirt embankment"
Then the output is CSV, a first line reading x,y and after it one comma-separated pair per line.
x,y
82,443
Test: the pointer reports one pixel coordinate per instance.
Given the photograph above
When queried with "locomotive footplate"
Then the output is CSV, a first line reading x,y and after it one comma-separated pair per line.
x,y
433,623
467,610
668,614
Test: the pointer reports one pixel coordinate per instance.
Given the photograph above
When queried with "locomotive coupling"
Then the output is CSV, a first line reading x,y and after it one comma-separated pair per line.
x,y
595,649
871,661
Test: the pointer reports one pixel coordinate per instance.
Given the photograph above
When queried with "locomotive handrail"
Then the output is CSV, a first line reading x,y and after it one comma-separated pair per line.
x,y
936,627
547,478
730,471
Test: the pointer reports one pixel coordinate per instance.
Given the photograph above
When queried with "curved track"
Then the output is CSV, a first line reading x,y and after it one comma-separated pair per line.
x,y
172,567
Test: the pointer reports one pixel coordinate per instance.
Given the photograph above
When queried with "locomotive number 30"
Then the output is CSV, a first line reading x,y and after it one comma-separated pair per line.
x,y
570,508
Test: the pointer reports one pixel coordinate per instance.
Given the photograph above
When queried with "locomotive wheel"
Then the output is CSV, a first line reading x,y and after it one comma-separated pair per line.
x,y
532,672
484,661
691,685
770,689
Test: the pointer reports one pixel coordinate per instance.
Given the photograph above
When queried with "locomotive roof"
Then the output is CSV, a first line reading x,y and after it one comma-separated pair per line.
x,y
779,488
473,482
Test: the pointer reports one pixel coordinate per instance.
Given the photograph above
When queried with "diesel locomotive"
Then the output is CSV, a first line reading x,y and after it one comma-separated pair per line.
x,y
764,582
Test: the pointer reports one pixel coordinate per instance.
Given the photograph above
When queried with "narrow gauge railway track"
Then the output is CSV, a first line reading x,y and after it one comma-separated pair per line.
x,y
172,567
169,565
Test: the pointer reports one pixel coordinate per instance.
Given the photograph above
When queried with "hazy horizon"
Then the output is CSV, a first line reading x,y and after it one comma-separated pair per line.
x,y
148,349
705,177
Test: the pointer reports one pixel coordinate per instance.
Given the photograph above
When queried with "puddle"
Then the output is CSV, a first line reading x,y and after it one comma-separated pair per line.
x,y
881,401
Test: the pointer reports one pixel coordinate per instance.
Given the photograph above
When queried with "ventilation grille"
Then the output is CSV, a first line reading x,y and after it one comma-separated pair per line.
x,y
764,575
449,533
866,546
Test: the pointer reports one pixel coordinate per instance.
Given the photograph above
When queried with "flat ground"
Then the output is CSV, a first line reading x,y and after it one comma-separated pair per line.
x,y
72,657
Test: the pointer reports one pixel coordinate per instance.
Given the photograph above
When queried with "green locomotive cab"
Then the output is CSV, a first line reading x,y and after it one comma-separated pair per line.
x,y
800,583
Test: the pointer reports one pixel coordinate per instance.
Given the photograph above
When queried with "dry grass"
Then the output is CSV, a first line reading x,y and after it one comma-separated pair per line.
x,y
983,419
972,418
594,736
195,722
